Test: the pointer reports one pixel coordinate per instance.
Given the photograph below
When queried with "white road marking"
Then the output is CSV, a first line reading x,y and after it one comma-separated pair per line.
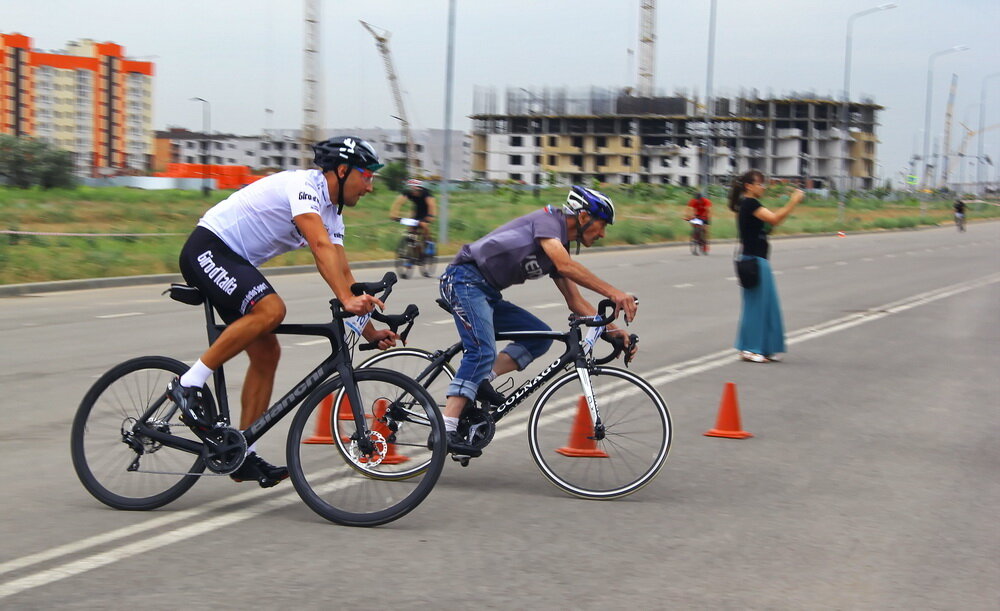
x,y
683,286
122,315
811,267
868,259
313,342
656,377
546,306
446,321
840,263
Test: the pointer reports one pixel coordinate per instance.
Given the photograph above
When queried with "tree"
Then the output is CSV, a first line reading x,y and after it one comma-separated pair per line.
x,y
26,162
394,175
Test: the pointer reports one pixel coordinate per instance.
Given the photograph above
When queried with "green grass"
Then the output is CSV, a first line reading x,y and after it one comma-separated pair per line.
x,y
647,213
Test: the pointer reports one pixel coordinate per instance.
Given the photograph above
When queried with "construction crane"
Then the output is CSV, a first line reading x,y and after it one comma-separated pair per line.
x,y
382,42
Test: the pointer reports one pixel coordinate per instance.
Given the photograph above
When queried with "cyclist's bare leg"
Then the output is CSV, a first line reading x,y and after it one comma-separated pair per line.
x,y
264,353
262,319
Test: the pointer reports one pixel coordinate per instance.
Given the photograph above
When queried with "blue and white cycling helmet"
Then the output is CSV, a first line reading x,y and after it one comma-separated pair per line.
x,y
598,205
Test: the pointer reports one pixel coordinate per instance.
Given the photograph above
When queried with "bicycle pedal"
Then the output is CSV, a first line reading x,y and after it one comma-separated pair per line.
x,y
462,460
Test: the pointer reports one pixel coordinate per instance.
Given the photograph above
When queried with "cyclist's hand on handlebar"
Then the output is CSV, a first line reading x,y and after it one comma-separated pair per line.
x,y
362,304
625,302
623,336
385,338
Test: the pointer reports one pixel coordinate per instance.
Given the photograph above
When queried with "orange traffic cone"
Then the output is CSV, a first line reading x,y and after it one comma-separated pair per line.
x,y
323,433
379,426
580,444
728,422
841,234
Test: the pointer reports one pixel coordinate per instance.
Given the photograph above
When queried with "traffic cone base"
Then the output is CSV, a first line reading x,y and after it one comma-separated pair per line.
x,y
727,424
580,445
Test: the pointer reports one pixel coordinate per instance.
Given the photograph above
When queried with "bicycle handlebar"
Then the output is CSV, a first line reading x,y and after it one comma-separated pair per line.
x,y
394,322
618,346
385,284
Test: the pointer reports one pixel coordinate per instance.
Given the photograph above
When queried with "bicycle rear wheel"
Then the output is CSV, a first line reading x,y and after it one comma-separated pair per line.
x,y
124,469
635,445
349,488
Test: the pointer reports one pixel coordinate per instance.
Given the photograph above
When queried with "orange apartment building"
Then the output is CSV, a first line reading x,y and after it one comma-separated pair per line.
x,y
88,99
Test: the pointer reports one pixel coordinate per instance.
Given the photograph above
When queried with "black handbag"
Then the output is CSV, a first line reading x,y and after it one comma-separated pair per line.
x,y
747,271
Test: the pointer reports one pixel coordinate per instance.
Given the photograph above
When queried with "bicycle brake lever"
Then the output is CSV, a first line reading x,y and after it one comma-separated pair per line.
x,y
633,339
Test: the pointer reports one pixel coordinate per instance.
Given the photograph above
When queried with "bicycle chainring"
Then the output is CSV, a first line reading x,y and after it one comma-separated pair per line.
x,y
224,450
477,427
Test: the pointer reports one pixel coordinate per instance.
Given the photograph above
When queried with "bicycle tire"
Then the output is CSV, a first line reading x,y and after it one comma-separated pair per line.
x,y
428,264
404,258
342,489
100,455
636,445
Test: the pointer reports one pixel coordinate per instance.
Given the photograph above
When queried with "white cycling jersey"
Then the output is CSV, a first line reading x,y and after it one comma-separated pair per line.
x,y
256,221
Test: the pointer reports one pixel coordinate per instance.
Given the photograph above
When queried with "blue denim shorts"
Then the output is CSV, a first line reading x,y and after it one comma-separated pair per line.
x,y
480,313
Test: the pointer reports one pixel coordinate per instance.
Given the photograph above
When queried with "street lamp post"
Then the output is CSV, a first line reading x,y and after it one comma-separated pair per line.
x,y
844,111
927,117
709,69
535,155
980,154
206,187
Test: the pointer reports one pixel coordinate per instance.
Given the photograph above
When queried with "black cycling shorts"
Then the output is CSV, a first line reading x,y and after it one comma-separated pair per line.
x,y
231,283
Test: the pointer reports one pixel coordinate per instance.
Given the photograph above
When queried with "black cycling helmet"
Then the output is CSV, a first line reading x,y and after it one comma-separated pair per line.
x,y
345,150
349,150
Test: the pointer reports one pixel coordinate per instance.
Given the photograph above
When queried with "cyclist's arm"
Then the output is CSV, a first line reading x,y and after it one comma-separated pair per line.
x,y
568,268
432,208
331,261
396,205
578,305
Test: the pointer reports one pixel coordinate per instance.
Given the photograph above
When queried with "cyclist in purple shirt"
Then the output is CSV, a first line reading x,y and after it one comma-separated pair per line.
x,y
529,247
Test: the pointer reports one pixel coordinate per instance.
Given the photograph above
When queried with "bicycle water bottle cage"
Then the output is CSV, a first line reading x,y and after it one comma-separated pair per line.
x,y
185,294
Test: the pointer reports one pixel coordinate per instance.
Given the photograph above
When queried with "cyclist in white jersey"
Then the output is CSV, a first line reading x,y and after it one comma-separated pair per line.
x,y
274,215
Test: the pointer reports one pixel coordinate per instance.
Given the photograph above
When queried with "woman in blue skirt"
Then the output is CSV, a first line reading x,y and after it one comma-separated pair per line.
x,y
761,333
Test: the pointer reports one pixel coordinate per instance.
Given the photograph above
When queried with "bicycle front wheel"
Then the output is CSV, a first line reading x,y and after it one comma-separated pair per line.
x,y
350,487
120,467
634,447
404,257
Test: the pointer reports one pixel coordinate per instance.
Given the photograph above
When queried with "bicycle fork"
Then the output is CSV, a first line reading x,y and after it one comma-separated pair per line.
x,y
588,394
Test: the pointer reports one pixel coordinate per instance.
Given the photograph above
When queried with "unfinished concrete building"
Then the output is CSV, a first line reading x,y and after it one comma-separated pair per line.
x,y
550,136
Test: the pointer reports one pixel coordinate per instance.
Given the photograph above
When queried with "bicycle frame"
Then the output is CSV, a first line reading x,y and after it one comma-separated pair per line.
x,y
576,353
339,362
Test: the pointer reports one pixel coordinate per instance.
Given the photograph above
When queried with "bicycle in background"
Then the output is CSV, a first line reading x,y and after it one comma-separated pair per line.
x,y
595,432
131,451
414,251
699,244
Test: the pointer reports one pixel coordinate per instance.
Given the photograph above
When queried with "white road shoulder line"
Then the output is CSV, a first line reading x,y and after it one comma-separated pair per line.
x,y
122,315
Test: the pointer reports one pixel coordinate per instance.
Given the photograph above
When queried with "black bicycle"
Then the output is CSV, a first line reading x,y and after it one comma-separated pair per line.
x,y
131,451
699,244
414,251
595,432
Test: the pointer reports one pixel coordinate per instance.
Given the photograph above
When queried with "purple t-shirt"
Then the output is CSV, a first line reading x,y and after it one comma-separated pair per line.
x,y
511,254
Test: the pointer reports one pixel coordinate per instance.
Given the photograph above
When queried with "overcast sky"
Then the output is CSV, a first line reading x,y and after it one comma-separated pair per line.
x,y
246,55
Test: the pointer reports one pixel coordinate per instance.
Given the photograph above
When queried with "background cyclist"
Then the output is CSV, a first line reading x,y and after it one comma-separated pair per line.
x,y
271,216
528,247
959,207
700,208
424,209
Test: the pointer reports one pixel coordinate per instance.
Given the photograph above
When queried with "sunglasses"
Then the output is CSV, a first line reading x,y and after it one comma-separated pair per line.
x,y
367,175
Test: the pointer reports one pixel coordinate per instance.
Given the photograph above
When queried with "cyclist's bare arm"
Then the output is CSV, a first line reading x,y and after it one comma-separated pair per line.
x,y
568,268
331,261
396,205
432,208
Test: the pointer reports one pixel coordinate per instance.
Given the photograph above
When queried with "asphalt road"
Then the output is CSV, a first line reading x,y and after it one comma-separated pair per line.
x,y
870,482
